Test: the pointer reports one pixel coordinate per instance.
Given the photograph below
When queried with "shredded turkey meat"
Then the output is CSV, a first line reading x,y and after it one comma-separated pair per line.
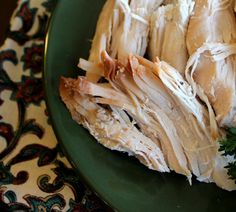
x,y
111,130
170,111
149,111
213,26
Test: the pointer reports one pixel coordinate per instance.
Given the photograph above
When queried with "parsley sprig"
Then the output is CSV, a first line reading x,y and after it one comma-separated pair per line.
x,y
228,147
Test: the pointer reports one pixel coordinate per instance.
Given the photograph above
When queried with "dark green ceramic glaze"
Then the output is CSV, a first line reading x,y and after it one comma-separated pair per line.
x,y
121,181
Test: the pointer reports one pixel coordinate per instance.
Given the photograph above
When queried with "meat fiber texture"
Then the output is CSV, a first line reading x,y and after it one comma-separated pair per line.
x,y
136,112
122,28
168,33
211,69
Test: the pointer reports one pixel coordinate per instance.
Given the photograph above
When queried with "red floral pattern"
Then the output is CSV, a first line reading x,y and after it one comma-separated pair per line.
x,y
26,139
30,90
33,58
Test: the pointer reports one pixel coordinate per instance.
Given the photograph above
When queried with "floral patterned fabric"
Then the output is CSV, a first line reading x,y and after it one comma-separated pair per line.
x,y
34,175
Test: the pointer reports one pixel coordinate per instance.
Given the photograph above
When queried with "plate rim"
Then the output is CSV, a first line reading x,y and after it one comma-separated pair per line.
x,y
63,148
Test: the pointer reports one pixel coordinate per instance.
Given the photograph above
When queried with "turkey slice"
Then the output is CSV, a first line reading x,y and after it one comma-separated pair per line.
x,y
168,33
132,34
102,38
213,21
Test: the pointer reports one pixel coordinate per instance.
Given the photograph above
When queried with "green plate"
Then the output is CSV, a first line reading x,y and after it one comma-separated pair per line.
x,y
121,181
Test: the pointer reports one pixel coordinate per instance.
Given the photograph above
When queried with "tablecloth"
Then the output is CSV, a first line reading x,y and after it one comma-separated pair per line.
x,y
34,174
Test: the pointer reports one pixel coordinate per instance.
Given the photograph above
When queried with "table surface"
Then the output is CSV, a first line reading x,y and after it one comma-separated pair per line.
x,y
34,174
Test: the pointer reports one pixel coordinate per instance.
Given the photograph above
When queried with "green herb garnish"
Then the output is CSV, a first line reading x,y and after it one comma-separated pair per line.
x,y
228,147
